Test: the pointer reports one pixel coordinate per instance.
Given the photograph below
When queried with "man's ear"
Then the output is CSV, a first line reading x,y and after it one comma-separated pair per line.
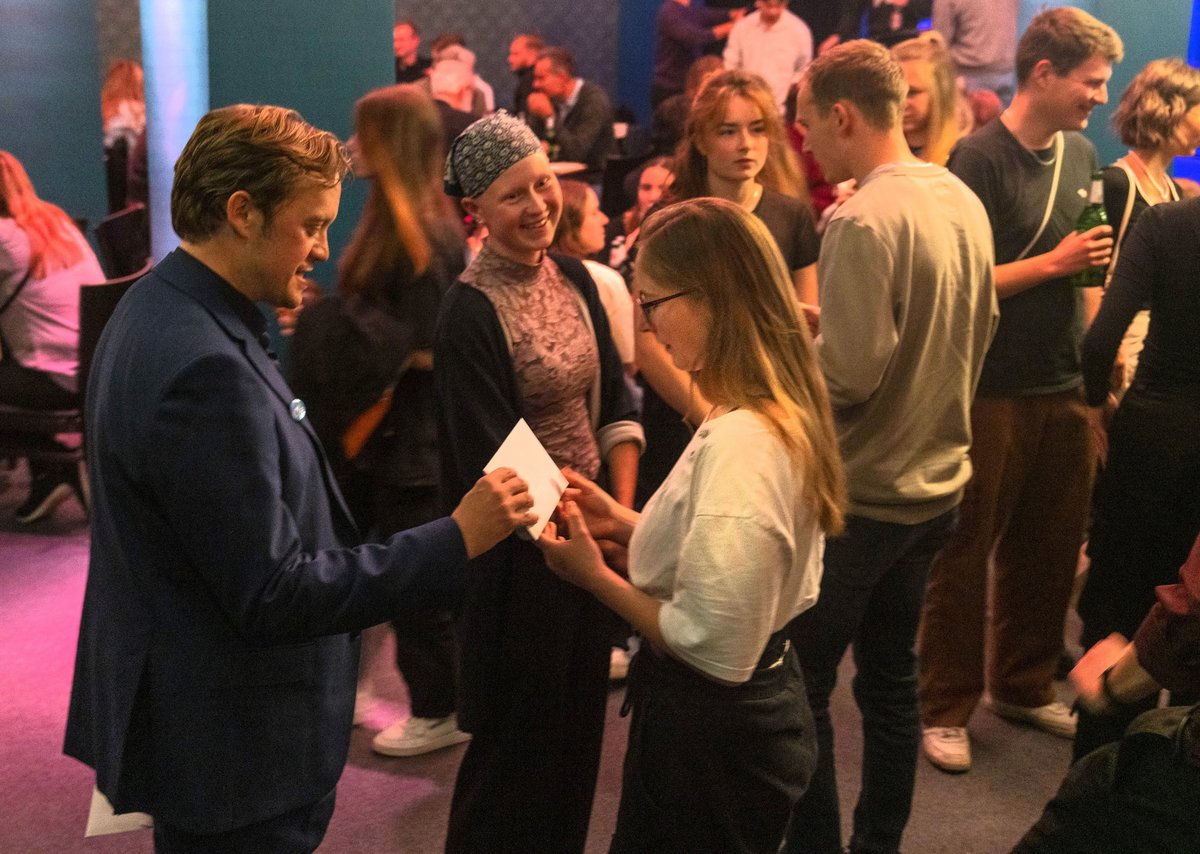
x,y
843,117
241,213
1042,72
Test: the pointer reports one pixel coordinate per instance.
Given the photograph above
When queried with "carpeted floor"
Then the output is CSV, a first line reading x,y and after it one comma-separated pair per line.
x,y
398,804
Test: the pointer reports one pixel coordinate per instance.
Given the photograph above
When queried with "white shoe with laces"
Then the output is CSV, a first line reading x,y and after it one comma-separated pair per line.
x,y
1054,718
947,747
414,736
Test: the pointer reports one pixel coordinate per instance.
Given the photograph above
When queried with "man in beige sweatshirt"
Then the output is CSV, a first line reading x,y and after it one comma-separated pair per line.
x,y
908,309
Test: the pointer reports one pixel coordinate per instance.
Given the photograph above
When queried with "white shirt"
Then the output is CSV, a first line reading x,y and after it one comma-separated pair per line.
x,y
728,546
618,307
777,53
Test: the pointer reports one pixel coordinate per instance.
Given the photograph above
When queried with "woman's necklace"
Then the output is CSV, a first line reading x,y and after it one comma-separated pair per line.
x,y
1162,189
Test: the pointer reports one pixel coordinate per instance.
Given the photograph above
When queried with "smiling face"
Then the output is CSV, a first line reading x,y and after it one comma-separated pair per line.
x,y
280,251
520,209
1071,97
736,149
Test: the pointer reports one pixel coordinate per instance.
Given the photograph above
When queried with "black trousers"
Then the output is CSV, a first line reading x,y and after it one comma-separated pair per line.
x,y
711,767
1147,515
299,831
528,776
426,635
21,386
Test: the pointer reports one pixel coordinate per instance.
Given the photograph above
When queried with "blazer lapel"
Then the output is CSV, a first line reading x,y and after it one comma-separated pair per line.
x,y
179,272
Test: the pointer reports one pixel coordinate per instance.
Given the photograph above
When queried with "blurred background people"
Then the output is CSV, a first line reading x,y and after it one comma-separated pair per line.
x,y
931,108
363,362
981,36
772,43
522,55
682,30
406,41
580,234
43,261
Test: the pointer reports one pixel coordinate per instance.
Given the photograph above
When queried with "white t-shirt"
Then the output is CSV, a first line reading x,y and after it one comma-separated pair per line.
x,y
777,53
728,546
618,306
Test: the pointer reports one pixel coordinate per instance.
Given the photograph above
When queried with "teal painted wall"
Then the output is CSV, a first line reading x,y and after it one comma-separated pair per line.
x,y
312,56
50,101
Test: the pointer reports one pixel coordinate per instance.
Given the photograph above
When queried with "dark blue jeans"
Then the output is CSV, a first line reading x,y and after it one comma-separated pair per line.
x,y
871,595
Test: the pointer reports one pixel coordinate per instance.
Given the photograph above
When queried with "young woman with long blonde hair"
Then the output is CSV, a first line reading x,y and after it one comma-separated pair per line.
x,y
726,552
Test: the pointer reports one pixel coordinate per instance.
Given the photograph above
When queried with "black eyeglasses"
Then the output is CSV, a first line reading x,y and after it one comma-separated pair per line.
x,y
648,306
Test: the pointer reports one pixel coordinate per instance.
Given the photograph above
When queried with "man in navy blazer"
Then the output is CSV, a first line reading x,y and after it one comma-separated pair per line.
x,y
215,674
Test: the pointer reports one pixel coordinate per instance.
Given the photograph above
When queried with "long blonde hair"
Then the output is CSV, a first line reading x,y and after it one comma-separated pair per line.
x,y
943,129
780,173
758,352
399,135
53,244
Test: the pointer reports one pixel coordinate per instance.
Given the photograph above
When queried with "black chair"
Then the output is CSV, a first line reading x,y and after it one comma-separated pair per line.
x,y
31,433
124,241
116,169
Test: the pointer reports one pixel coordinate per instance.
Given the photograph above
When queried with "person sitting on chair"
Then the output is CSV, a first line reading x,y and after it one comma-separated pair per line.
x,y
43,260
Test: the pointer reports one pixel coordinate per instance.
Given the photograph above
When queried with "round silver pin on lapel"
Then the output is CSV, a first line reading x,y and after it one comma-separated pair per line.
x,y
298,410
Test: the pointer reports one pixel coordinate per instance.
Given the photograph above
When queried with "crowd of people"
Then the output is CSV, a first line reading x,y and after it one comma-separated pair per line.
x,y
827,383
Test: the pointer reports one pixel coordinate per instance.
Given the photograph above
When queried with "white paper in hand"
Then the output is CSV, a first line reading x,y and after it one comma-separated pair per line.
x,y
523,453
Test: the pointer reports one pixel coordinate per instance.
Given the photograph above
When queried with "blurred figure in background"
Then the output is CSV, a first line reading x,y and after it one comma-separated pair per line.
x,y
363,363
43,261
931,113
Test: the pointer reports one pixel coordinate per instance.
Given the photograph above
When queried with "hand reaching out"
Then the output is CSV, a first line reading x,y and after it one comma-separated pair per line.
x,y
498,503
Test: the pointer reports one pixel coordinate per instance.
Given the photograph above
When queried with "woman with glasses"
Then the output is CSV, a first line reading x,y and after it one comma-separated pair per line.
x,y
726,552
522,334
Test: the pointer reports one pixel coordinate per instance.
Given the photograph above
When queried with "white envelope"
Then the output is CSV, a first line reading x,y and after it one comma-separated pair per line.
x,y
523,453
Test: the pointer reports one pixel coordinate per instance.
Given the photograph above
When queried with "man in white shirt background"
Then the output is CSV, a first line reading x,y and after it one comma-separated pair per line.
x,y
773,43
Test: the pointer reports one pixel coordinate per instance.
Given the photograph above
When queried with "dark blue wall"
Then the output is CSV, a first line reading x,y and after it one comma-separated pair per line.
x,y
50,101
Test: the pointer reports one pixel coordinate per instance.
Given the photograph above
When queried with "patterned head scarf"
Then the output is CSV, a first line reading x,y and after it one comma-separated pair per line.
x,y
484,151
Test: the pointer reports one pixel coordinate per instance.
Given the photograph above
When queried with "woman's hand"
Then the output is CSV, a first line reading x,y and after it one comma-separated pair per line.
x,y
599,509
576,559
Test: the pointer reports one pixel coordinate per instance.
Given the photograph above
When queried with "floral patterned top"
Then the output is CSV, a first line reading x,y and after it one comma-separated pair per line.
x,y
553,349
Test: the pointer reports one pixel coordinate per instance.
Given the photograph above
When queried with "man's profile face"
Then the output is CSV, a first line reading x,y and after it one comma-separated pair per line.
x,y
520,56
283,249
1071,97
404,40
821,137
550,81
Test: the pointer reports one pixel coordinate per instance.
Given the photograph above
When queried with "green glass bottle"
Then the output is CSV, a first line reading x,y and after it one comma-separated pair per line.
x,y
1092,216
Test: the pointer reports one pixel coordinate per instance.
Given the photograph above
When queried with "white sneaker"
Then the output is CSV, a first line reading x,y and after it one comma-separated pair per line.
x,y
1054,718
414,736
947,747
618,664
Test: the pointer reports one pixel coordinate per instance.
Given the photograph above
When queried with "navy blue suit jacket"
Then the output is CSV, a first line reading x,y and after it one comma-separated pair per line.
x,y
215,674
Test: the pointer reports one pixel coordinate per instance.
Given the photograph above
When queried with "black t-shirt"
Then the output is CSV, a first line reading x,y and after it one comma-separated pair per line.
x,y
1036,348
791,223
1157,267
